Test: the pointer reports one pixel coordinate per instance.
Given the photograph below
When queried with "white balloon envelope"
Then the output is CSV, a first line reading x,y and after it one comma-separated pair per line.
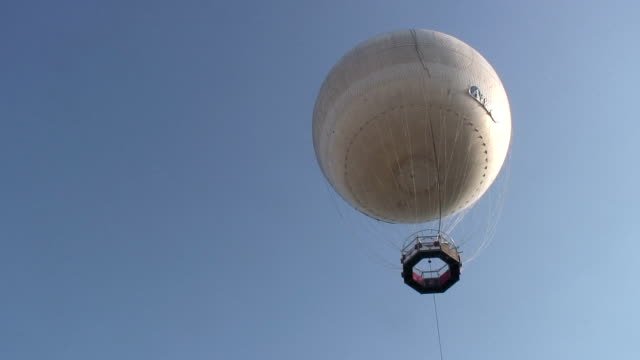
x,y
411,126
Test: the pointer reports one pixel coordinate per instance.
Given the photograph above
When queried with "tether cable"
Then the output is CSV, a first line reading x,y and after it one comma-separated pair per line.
x,y
435,307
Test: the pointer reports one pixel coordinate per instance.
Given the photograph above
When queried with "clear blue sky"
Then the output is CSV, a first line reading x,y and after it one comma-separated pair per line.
x,y
160,199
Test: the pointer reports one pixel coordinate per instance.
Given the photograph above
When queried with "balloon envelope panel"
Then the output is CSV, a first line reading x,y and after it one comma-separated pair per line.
x,y
411,126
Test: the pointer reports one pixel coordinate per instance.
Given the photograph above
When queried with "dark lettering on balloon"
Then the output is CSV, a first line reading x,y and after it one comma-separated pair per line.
x,y
475,93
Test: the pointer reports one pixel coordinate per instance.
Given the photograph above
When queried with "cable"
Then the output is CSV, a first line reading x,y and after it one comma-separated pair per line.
x,y
433,140
435,307
435,154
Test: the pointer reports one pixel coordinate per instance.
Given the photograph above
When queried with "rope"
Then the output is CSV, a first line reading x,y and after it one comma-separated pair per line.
x,y
433,139
435,307
435,154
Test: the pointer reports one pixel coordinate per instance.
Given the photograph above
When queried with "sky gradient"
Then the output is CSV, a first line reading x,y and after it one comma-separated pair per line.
x,y
160,198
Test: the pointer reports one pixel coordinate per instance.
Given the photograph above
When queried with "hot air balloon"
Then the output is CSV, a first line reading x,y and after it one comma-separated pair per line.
x,y
413,127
